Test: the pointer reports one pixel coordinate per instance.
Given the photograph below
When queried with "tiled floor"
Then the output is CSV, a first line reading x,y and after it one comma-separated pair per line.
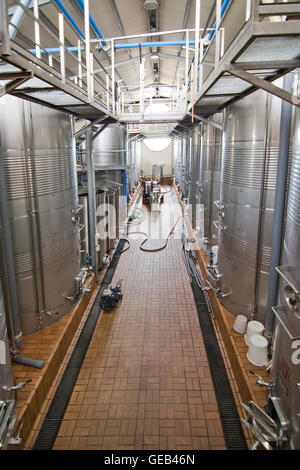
x,y
145,381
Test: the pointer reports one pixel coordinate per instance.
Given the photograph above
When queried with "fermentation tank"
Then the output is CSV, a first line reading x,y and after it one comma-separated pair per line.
x,y
284,383
177,163
157,173
7,397
210,178
195,163
110,150
134,165
185,166
137,164
110,183
40,170
84,222
110,147
248,183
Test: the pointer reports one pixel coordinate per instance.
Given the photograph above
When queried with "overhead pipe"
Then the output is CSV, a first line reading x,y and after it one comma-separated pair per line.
x,y
17,18
70,18
224,7
56,50
92,21
135,45
279,206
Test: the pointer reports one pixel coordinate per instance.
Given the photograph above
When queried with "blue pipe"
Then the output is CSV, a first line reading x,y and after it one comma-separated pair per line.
x,y
92,21
67,14
152,44
54,50
223,10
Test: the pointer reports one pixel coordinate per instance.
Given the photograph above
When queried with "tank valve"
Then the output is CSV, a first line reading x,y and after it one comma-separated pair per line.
x,y
260,380
16,441
17,387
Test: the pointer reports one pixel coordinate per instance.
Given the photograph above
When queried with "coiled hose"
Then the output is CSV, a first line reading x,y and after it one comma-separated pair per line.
x,y
149,250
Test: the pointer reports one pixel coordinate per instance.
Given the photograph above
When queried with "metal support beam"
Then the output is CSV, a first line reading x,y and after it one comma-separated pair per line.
x,y
279,205
9,87
91,200
274,64
99,131
89,126
4,35
263,84
279,9
207,121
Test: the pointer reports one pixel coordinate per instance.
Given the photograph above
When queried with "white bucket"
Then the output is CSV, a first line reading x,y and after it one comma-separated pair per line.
x,y
258,350
254,328
240,324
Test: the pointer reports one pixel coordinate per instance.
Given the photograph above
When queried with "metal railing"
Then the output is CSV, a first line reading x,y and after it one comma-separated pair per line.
x,y
79,68
73,64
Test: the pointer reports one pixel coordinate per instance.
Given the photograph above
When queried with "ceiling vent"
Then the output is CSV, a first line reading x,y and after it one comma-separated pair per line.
x,y
151,4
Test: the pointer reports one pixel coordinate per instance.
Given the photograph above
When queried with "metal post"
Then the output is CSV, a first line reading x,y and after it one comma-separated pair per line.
x,y
92,200
187,63
248,10
254,10
107,92
217,35
279,207
201,65
113,75
79,62
197,35
142,66
92,76
87,48
36,29
62,46
4,35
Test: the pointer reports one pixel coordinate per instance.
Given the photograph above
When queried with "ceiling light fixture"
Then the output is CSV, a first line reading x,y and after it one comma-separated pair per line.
x,y
151,4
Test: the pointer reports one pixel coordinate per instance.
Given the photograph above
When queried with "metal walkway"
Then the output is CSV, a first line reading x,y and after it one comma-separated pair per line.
x,y
247,50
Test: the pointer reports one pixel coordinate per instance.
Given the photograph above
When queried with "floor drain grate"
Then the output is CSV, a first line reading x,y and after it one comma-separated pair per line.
x,y
230,419
50,428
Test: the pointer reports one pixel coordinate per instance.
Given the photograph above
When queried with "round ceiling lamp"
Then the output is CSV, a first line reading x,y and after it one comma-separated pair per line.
x,y
151,4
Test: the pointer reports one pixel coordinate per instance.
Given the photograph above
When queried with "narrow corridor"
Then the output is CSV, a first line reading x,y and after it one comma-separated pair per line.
x,y
145,382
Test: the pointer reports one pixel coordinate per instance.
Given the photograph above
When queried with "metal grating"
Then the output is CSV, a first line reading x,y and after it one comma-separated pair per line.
x,y
51,425
230,419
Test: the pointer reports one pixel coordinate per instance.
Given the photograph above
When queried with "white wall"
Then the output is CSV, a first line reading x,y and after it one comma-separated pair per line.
x,y
149,158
